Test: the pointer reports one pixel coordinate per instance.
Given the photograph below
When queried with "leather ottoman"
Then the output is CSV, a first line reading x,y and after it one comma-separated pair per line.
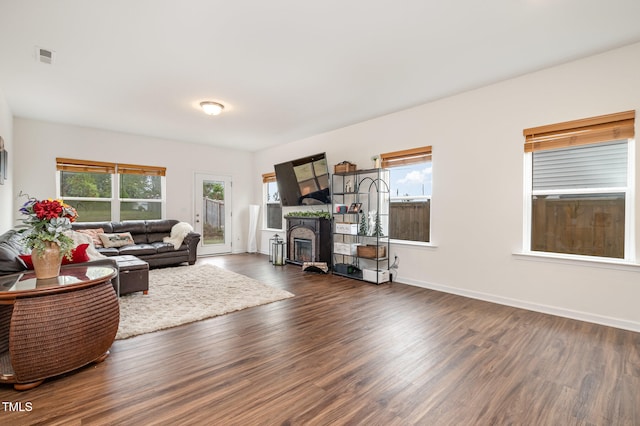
x,y
133,274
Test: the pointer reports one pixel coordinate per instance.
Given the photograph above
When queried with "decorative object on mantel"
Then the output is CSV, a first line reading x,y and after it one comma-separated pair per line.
x,y
344,167
44,226
376,161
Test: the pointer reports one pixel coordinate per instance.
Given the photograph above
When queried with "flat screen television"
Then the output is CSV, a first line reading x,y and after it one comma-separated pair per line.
x,y
304,182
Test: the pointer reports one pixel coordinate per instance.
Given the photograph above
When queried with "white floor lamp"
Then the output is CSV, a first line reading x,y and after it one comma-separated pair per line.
x,y
254,210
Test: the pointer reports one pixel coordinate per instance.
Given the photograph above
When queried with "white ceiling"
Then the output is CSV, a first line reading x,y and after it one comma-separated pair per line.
x,y
284,69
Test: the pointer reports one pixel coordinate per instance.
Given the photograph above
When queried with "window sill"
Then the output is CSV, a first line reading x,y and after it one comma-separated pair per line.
x,y
575,260
272,230
413,243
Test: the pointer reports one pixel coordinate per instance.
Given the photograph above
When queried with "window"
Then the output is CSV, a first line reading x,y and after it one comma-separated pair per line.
x,y
579,187
410,186
273,208
102,191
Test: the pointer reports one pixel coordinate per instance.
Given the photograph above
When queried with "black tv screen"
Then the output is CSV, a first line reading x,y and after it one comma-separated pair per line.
x,y
304,182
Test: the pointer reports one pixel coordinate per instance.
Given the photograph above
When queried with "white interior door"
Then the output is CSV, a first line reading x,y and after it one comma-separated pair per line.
x,y
213,213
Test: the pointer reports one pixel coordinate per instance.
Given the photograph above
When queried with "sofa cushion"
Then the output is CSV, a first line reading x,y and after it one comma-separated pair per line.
x,y
162,225
138,249
158,229
116,240
164,247
92,225
111,251
137,228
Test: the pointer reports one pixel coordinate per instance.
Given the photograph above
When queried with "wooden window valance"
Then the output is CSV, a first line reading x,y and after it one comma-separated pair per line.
x,y
133,169
84,166
580,132
405,157
269,177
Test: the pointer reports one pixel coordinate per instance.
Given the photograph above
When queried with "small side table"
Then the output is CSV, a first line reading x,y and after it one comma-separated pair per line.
x,y
50,327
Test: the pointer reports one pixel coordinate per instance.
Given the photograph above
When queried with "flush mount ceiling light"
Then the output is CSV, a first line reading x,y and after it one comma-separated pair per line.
x,y
211,108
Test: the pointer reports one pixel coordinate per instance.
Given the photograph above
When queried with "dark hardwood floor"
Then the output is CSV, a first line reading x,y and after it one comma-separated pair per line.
x,y
349,352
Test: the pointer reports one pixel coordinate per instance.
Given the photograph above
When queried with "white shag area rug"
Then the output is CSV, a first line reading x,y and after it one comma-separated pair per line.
x,y
185,294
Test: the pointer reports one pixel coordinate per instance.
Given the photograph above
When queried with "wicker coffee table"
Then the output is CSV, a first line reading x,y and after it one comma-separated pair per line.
x,y
50,327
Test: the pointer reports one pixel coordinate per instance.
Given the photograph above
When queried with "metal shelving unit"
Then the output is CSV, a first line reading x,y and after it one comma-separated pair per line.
x,y
361,225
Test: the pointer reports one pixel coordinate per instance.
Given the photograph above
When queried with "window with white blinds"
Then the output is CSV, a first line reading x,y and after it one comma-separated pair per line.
x,y
602,166
578,187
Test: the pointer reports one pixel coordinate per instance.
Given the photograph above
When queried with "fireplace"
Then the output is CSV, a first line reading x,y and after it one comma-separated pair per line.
x,y
302,250
308,240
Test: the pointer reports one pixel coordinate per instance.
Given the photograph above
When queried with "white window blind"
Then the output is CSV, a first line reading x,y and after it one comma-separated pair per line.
x,y
588,166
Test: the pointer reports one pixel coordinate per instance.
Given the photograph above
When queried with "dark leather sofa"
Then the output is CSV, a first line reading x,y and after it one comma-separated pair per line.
x,y
11,246
148,236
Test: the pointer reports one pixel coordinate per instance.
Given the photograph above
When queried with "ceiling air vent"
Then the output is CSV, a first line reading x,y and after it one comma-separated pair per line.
x,y
45,56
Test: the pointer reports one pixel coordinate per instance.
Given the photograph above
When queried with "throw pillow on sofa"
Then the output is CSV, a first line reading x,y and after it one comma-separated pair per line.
x,y
94,234
116,240
26,258
78,255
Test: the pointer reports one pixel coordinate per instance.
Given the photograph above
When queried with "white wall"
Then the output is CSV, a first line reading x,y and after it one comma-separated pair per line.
x,y
478,185
37,144
6,193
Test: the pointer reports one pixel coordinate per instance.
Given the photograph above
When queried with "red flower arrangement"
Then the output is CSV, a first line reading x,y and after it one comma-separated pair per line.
x,y
46,222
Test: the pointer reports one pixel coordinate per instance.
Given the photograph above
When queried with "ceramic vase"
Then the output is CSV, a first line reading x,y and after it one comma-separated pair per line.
x,y
46,263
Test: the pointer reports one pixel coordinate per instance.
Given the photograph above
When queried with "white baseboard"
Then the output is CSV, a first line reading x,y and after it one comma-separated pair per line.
x,y
551,310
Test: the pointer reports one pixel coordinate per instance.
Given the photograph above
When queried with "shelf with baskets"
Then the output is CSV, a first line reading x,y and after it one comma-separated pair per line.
x,y
361,224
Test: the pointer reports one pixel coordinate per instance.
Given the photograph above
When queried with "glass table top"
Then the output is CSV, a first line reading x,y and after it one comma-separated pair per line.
x,y
27,281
